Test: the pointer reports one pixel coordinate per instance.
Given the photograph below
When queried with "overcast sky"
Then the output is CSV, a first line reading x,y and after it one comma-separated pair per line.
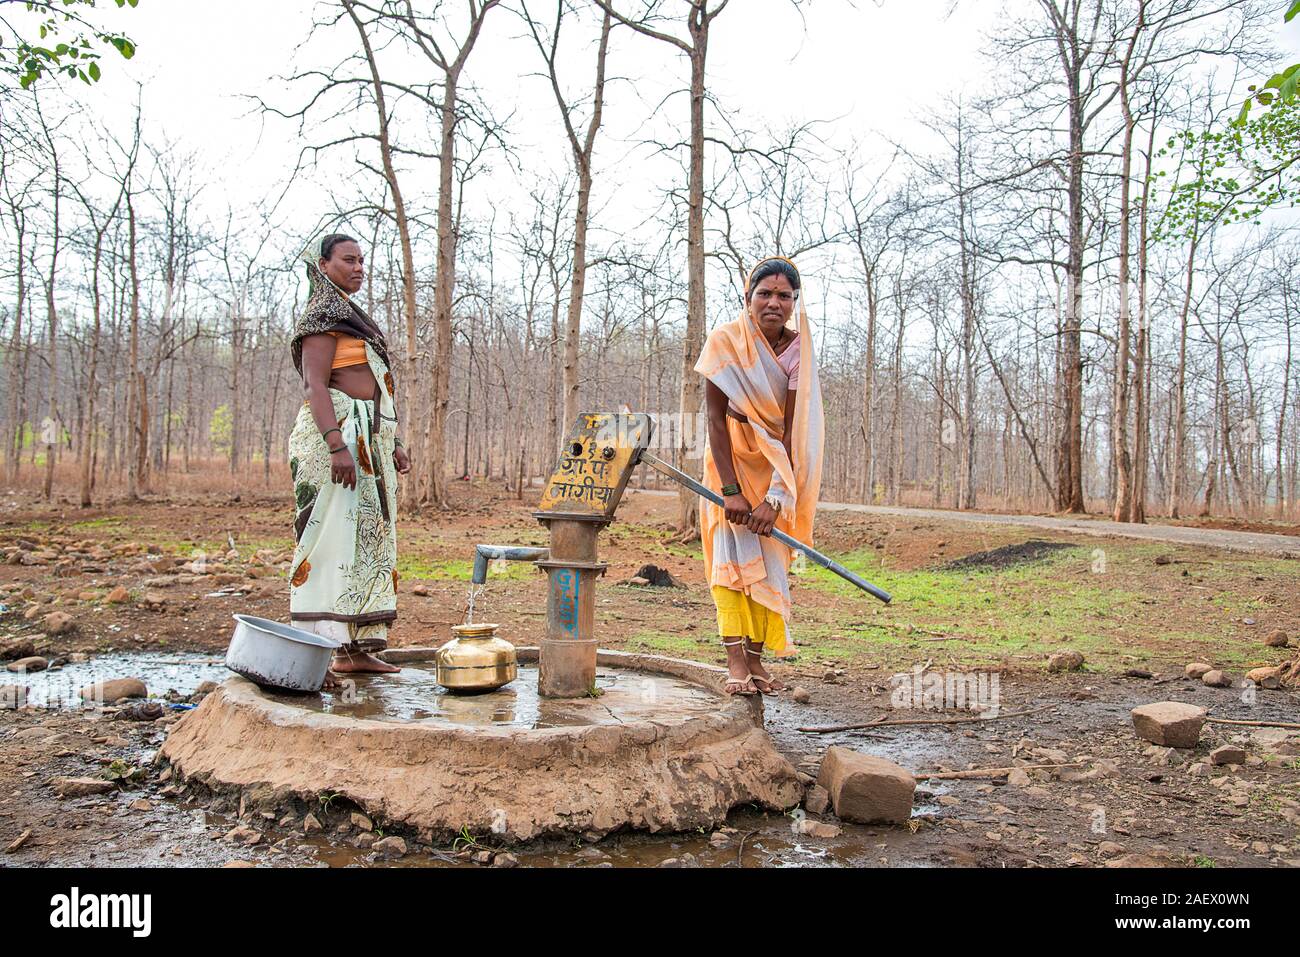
x,y
873,69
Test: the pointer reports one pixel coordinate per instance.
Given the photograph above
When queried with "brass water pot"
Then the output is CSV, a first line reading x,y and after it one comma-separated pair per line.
x,y
475,660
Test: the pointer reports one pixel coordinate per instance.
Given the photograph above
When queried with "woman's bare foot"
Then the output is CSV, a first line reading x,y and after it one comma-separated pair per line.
x,y
356,662
766,683
332,682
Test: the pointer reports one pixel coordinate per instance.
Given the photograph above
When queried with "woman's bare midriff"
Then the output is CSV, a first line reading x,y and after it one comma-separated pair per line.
x,y
356,381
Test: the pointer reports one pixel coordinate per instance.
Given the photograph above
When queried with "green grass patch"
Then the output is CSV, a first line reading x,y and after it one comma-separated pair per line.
x,y
414,567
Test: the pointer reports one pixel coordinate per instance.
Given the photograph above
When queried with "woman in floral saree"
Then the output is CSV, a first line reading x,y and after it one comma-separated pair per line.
x,y
344,456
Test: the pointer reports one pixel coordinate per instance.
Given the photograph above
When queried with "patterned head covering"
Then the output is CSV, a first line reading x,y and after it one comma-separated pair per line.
x,y
330,309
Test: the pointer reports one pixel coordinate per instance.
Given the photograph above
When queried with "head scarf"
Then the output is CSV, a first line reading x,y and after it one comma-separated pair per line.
x,y
739,360
329,309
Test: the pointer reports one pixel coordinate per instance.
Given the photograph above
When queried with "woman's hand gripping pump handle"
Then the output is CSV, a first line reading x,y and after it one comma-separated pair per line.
x,y
679,476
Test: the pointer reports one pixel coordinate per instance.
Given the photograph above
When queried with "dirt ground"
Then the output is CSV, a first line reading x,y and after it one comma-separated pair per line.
x,y
970,599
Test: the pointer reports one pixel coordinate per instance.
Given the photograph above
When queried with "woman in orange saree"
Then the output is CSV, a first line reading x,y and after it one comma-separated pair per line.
x,y
765,456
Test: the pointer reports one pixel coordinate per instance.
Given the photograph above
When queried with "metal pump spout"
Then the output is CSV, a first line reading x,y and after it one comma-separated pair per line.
x,y
511,553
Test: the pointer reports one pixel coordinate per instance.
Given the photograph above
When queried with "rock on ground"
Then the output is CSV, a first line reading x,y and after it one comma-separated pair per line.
x,y
1170,724
1270,678
817,800
82,787
31,663
1065,661
865,788
1228,754
810,828
1196,669
390,847
1216,679
114,690
58,623
1277,638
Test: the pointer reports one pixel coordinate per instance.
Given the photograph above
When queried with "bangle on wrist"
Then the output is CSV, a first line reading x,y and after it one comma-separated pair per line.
x,y
341,448
731,489
328,431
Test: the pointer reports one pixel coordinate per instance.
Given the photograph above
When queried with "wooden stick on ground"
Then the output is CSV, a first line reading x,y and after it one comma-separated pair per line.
x,y
882,723
1256,724
975,773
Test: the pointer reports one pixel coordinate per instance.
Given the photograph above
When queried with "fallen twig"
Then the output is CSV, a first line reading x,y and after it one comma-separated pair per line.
x,y
882,723
1256,724
19,841
990,772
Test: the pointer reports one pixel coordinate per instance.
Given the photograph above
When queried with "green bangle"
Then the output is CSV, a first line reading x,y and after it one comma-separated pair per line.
x,y
328,431
732,489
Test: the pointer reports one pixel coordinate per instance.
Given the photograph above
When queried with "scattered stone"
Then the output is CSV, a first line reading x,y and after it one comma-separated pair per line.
x,y
1065,661
481,857
505,859
1196,669
810,828
58,623
33,663
17,648
360,820
118,595
718,840
82,787
140,804
801,695
153,601
87,595
19,841
420,589
865,788
1019,778
1163,559
311,824
31,613
390,847
1216,679
364,840
1159,756
948,800
114,690
1170,724
1109,849
244,835
817,800
239,863
1268,678
1133,860
1228,754
1277,638
637,580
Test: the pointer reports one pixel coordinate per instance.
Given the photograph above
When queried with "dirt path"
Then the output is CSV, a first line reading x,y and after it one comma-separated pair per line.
x,y
1258,543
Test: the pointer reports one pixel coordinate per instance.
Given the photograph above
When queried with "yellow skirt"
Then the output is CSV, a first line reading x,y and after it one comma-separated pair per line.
x,y
740,616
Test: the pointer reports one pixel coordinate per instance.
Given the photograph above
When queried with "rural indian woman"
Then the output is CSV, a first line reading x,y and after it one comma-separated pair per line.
x,y
344,456
765,456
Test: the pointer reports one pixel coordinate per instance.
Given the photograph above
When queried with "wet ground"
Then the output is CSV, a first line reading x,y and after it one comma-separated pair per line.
x,y
1126,806
1117,801
414,695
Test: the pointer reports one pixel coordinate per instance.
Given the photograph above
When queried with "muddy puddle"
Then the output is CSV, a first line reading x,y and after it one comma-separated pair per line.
x,y
414,695
161,672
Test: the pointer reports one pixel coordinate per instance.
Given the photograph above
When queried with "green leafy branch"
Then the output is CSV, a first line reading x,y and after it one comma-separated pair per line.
x,y
1280,87
29,59
1236,174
